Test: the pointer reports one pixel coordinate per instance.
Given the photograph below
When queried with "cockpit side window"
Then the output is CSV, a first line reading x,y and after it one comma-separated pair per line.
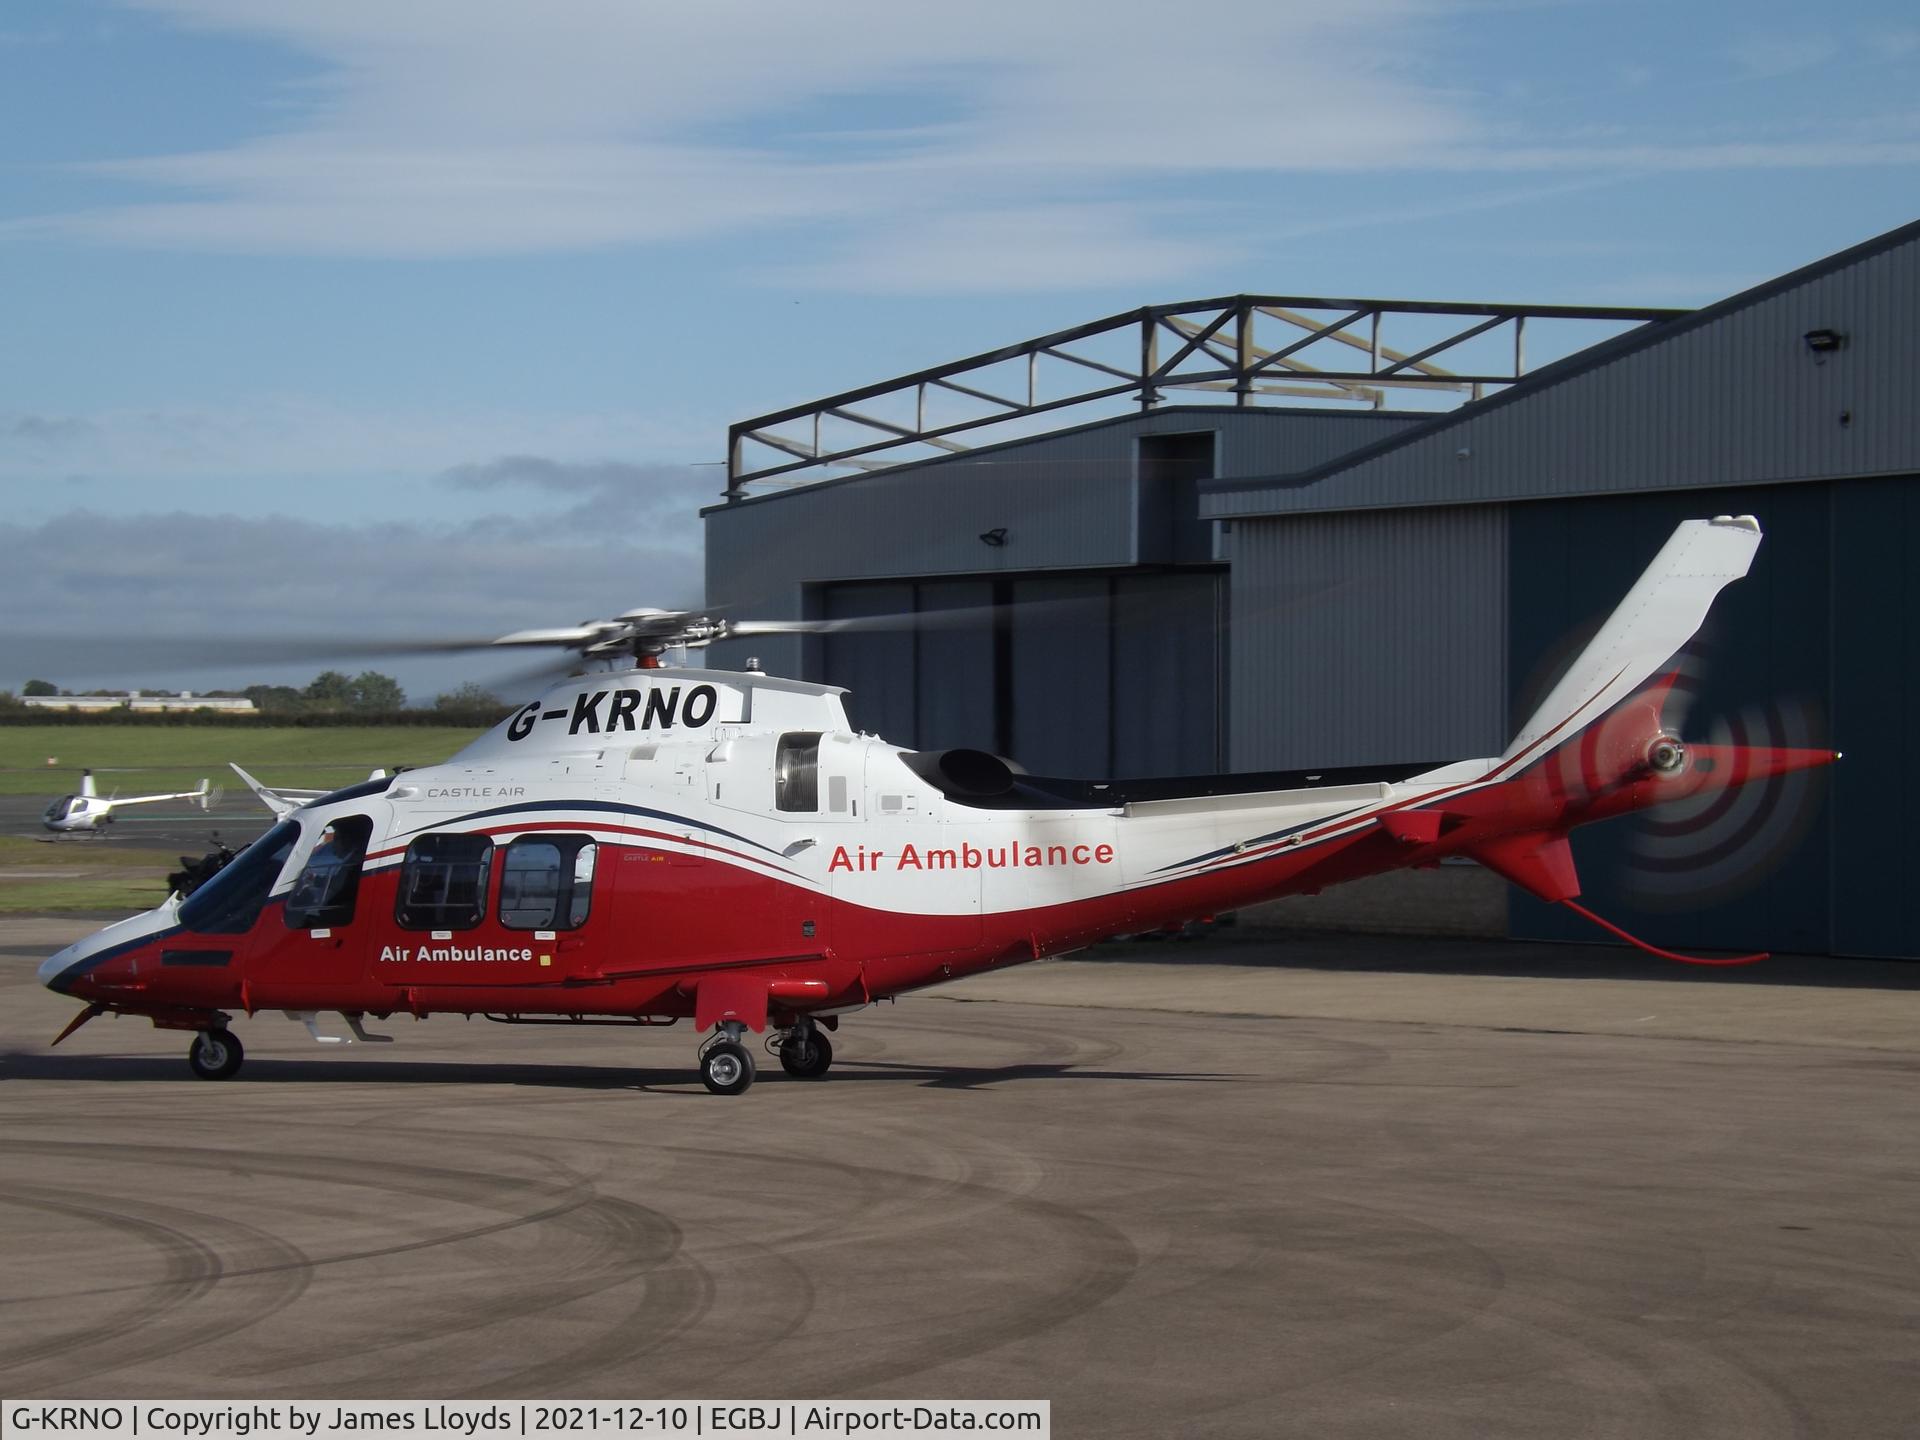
x,y
324,893
232,900
443,883
796,772
546,882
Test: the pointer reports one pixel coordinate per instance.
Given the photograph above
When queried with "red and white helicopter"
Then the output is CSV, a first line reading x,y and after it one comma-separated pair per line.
x,y
90,811
657,844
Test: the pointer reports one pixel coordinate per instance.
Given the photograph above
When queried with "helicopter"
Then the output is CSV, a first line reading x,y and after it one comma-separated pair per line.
x,y
655,845
89,812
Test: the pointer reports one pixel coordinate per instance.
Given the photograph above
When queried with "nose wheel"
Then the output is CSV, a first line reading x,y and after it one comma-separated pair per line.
x,y
726,1067
215,1054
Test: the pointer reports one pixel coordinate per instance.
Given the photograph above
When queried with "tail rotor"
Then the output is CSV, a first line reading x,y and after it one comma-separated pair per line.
x,y
1725,840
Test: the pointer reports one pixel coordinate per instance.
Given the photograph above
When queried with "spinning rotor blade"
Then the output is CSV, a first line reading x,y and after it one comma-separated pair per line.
x,y
578,635
1723,840
1726,840
1089,607
137,654
547,671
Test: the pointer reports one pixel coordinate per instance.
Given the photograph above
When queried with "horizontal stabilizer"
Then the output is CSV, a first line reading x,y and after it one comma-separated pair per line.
x,y
280,802
1540,864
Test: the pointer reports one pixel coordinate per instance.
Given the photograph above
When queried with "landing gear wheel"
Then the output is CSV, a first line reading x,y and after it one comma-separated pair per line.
x,y
215,1054
806,1054
726,1067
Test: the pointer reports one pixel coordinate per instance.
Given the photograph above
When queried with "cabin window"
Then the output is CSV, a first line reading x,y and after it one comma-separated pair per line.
x,y
232,900
324,893
796,772
443,882
546,882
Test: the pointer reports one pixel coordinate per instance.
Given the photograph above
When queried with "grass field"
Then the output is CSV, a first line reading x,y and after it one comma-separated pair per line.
x,y
134,759
19,853
38,877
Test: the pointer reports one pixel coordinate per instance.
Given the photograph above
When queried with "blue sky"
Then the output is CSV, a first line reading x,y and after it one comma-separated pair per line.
x,y
428,318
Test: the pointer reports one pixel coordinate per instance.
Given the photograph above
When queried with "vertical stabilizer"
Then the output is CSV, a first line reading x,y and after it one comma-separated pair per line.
x,y
1658,616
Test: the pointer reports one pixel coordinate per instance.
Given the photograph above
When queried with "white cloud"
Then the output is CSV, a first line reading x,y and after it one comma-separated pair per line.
x,y
169,596
289,437
1893,43
1811,154
449,127
1038,247
660,504
1766,56
901,147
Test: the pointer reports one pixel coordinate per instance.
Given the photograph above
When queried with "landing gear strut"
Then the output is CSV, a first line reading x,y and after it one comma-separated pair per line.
x,y
805,1052
726,1066
215,1054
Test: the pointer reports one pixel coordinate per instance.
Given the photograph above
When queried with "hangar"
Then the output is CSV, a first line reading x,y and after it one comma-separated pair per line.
x,y
1304,531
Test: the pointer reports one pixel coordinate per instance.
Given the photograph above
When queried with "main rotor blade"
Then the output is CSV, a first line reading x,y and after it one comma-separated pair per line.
x,y
1082,607
570,636
542,675
144,653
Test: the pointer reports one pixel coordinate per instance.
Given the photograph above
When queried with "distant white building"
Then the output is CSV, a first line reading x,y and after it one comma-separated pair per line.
x,y
186,700
76,702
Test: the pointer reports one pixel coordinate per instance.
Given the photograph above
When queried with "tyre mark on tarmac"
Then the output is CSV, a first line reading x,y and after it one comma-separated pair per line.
x,y
1470,1265
217,1278
1086,1261
937,1190
596,1243
1040,1044
1460,1328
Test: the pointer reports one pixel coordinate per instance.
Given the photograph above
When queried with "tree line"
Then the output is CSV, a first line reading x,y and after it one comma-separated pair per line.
x,y
368,695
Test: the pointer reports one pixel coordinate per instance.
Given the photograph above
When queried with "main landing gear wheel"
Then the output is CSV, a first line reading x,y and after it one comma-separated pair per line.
x,y
726,1067
806,1054
215,1054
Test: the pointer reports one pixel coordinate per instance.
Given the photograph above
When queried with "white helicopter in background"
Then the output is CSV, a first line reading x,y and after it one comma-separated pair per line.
x,y
90,812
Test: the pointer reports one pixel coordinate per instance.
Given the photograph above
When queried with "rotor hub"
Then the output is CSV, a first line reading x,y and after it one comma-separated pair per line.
x,y
1666,755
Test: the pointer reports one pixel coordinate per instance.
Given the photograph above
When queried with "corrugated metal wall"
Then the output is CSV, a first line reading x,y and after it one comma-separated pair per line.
x,y
1091,676
1368,638
1064,511
1874,661
1736,401
1066,500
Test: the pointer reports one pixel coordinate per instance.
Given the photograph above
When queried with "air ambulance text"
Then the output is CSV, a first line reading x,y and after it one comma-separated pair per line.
x,y
970,857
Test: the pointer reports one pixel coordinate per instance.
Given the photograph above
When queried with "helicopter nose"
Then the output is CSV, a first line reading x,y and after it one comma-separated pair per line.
x,y
54,968
65,970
